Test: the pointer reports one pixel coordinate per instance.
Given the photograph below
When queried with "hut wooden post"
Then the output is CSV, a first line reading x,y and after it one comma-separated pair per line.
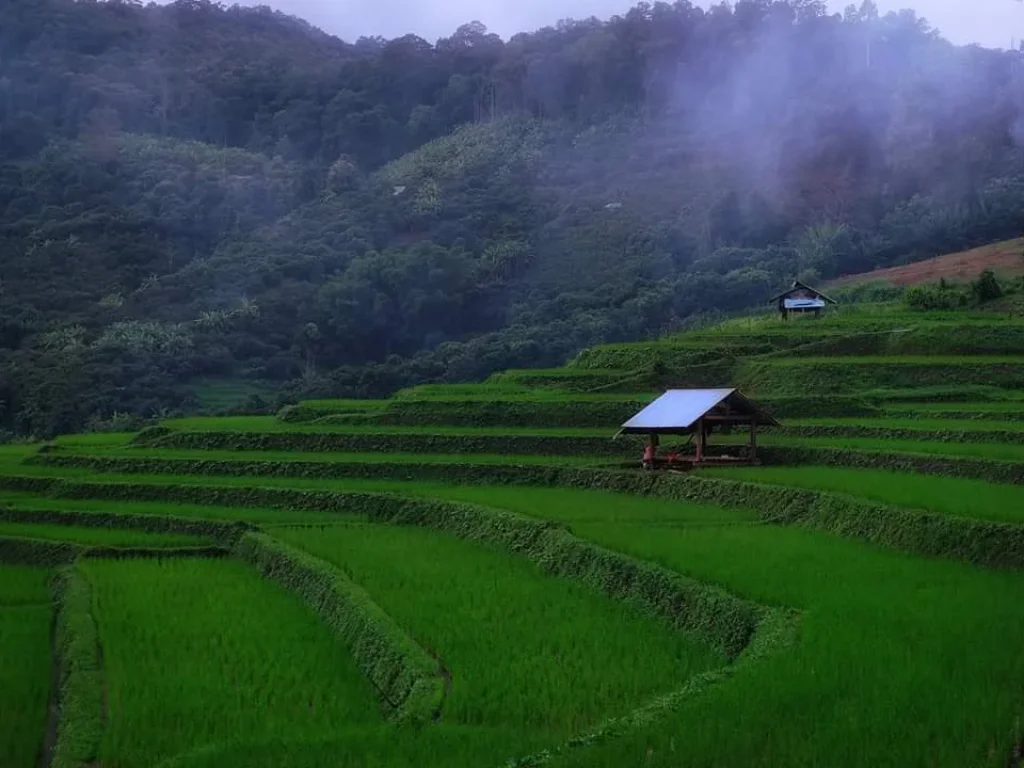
x,y
700,441
753,440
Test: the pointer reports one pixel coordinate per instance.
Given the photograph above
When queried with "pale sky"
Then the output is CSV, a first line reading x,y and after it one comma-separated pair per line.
x,y
989,22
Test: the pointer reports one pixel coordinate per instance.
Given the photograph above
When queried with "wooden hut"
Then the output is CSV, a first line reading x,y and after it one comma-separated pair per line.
x,y
801,298
698,413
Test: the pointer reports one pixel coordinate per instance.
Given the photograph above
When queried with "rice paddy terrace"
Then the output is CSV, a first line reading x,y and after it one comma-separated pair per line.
x,y
477,575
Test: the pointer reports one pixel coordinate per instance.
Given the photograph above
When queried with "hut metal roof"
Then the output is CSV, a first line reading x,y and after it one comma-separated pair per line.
x,y
798,286
678,410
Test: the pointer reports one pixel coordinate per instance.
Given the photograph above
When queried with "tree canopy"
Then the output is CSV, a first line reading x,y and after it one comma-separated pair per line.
x,y
192,191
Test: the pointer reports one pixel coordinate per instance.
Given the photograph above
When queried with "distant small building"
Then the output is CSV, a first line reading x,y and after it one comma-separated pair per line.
x,y
801,298
697,413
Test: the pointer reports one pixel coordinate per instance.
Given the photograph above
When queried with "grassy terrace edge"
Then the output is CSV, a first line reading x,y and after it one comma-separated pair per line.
x,y
80,697
223,533
775,452
980,542
408,681
548,449
16,550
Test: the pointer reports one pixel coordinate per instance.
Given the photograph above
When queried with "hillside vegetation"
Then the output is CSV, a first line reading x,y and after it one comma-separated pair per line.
x,y
207,207
477,574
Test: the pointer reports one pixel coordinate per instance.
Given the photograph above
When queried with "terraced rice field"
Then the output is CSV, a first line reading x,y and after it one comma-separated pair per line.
x,y
190,667
582,657
952,496
478,575
25,615
99,536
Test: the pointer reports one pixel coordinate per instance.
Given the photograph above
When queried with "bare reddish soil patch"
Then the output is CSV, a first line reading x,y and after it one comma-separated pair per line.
x,y
1003,258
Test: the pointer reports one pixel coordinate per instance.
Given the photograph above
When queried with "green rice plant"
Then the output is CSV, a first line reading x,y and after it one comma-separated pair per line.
x,y
993,451
22,585
24,679
923,340
517,414
947,495
967,432
938,425
189,666
249,465
975,416
526,652
408,681
438,746
833,375
343,405
940,394
29,502
901,661
96,439
311,410
568,505
637,356
230,423
257,424
469,391
1010,410
492,392
103,537
331,457
577,380
943,465
12,454
142,486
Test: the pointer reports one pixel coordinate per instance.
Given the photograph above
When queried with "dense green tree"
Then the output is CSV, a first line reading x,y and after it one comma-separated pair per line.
x,y
192,192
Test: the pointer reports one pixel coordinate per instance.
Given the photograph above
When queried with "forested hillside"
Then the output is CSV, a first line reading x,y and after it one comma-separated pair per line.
x,y
193,194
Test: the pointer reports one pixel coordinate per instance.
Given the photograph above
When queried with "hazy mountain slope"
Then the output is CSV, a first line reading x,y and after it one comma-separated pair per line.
x,y
192,193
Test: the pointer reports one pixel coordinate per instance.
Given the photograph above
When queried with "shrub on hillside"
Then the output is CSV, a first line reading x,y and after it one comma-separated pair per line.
x,y
934,297
986,287
871,292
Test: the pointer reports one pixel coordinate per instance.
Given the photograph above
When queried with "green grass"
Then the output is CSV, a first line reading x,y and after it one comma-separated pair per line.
x,y
101,537
24,681
512,374
570,505
342,405
563,504
200,653
15,453
1011,406
528,653
23,585
900,662
494,393
271,425
86,476
946,394
938,425
993,451
946,495
337,458
28,502
567,505
96,439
